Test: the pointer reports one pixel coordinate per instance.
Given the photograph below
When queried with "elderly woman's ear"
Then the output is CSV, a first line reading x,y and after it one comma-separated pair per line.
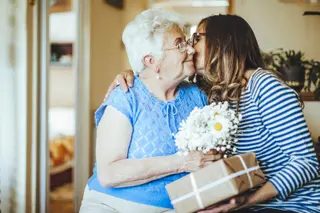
x,y
125,78
148,61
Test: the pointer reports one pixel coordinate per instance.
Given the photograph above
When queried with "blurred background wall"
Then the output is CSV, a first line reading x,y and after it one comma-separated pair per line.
x,y
276,23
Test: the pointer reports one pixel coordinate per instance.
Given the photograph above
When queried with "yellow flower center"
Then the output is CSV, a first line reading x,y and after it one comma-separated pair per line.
x,y
216,113
218,126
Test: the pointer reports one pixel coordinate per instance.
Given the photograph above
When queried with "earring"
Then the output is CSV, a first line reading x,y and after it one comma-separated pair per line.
x,y
158,76
195,78
157,70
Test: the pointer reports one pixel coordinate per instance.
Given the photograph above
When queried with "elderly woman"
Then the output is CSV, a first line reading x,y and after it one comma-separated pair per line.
x,y
135,152
228,57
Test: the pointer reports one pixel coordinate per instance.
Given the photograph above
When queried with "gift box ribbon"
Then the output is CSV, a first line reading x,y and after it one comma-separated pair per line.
x,y
196,191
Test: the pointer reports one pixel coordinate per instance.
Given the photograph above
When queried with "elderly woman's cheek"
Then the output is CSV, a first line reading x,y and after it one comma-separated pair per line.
x,y
188,65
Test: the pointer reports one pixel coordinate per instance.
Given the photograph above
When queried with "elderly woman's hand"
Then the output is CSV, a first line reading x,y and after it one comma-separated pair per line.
x,y
196,160
124,79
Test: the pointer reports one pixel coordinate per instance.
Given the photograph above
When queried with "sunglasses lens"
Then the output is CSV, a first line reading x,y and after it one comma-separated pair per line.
x,y
194,38
189,42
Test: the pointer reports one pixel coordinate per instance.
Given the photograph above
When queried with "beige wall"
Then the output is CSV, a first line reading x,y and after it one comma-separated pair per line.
x,y
108,56
277,25
312,114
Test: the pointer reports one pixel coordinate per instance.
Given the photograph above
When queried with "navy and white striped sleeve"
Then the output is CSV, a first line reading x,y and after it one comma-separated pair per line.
x,y
282,115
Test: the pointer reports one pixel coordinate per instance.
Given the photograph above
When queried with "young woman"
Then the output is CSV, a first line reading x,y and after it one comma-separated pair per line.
x,y
230,68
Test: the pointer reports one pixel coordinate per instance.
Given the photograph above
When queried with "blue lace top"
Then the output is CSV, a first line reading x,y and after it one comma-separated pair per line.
x,y
153,122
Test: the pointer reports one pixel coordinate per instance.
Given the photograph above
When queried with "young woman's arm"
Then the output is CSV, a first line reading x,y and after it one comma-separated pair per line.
x,y
124,79
282,115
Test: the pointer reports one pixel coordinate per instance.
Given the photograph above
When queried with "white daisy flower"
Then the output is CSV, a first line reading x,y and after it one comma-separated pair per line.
x,y
221,126
211,127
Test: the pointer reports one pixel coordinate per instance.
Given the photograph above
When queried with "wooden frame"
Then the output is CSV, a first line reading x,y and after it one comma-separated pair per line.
x,y
61,6
307,96
231,7
38,62
61,50
115,3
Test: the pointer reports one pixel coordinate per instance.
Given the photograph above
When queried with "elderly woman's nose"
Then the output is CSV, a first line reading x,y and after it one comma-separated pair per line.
x,y
190,50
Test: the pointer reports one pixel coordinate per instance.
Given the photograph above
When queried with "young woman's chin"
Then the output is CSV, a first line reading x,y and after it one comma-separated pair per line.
x,y
199,67
189,68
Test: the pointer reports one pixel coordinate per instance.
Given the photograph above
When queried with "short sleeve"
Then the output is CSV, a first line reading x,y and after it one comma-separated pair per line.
x,y
119,100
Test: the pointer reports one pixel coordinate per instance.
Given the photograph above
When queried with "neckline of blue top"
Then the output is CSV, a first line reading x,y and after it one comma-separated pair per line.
x,y
173,102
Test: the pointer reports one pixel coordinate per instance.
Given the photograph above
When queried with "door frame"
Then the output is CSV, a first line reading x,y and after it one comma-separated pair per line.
x,y
40,92
38,68
83,110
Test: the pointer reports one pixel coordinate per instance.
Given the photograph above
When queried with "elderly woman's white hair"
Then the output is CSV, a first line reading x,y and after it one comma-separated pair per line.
x,y
144,35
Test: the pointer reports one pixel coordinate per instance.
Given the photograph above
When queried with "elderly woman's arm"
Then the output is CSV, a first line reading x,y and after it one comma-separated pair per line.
x,y
115,170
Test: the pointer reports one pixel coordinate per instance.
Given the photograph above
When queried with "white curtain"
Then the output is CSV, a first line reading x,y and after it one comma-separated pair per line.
x,y
13,84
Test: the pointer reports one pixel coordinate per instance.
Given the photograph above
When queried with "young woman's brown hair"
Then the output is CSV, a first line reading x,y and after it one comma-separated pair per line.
x,y
231,50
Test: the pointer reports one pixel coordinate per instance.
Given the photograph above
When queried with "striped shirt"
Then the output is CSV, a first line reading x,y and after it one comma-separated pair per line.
x,y
273,126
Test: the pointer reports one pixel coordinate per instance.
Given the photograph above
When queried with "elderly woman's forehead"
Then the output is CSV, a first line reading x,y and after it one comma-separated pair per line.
x,y
175,34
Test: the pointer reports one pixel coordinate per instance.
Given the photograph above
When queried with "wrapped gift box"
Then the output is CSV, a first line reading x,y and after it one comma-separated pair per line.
x,y
219,181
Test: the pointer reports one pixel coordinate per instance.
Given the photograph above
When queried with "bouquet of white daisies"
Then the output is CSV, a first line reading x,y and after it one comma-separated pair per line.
x,y
212,127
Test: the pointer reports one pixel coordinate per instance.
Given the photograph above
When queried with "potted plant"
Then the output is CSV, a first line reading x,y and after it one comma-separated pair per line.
x,y
291,65
267,58
313,77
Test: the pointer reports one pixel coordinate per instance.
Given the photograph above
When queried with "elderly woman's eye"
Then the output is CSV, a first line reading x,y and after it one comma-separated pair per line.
x,y
197,38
